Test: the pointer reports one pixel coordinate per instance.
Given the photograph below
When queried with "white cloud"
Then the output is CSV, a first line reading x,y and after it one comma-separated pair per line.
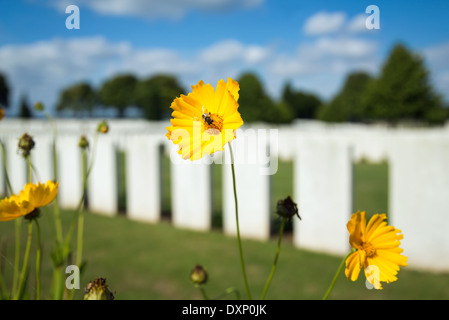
x,y
357,24
233,51
324,22
157,9
42,69
437,60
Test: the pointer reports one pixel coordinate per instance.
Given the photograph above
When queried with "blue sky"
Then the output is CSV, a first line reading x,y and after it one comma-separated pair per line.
x,y
312,44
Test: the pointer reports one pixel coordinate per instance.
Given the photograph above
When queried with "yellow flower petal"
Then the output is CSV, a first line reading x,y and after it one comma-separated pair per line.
x,y
205,120
378,250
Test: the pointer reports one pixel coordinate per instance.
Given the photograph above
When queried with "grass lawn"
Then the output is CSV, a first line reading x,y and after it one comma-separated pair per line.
x,y
153,261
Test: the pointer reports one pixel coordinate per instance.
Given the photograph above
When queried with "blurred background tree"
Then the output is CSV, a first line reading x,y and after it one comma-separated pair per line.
x,y
24,108
256,105
154,96
79,98
403,91
4,91
118,92
347,105
303,105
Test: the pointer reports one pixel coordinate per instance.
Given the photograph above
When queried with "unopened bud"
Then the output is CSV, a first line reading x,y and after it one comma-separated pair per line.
x,y
98,290
103,127
286,208
39,106
26,144
198,275
83,143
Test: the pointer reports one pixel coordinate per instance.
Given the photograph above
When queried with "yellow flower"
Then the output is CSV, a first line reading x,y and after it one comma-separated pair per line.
x,y
32,197
377,249
206,119
2,113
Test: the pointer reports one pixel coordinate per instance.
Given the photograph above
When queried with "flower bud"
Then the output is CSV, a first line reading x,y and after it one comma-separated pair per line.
x,y
38,106
103,127
98,290
198,275
26,144
83,143
287,208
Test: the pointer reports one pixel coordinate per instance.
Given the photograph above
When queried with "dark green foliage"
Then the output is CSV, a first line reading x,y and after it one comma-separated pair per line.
x,y
403,91
24,108
348,104
118,92
80,97
154,95
256,105
4,91
302,105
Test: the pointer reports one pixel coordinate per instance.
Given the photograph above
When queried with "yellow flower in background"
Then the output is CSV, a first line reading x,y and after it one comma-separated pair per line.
x,y
32,197
206,119
2,113
377,249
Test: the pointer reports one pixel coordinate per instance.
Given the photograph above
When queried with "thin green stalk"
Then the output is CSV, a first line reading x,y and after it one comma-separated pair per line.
x,y
228,292
79,255
237,225
30,169
25,262
336,275
17,223
203,292
4,293
273,268
38,261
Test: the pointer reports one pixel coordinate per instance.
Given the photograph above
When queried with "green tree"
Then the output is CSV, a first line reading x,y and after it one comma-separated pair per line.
x,y
302,105
118,92
80,98
256,105
4,91
154,95
348,105
24,108
403,90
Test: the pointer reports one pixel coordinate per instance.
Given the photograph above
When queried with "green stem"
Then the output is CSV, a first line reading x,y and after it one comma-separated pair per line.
x,y
25,262
336,275
242,263
203,292
79,255
38,261
30,169
273,268
17,224
228,292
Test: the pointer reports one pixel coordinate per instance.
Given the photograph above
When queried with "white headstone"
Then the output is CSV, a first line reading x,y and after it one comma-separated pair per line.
x,y
69,171
102,181
17,165
419,198
42,158
252,179
143,178
191,194
323,192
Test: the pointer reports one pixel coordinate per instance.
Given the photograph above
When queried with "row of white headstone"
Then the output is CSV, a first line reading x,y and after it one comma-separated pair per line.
x,y
322,179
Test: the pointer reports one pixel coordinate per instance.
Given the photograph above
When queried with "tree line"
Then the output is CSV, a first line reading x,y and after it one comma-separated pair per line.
x,y
401,92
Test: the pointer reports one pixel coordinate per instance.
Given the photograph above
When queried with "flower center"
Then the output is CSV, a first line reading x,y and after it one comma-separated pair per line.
x,y
369,249
213,124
